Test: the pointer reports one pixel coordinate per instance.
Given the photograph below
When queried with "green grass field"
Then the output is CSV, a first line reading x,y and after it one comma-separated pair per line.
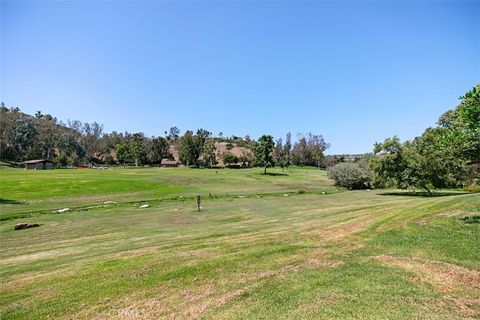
x,y
283,246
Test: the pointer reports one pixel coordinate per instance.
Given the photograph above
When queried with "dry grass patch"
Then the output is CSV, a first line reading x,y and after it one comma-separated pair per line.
x,y
459,286
341,230
194,302
452,213
173,304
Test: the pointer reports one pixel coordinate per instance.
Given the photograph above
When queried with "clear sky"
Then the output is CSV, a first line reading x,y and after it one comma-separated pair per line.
x,y
356,72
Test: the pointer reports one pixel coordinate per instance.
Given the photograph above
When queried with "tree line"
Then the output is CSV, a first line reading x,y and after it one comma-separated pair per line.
x,y
42,136
444,156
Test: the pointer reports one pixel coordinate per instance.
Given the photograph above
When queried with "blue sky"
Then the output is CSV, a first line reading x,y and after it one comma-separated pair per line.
x,y
356,72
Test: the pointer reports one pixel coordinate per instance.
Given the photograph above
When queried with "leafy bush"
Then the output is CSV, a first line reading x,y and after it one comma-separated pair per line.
x,y
229,159
61,160
350,175
473,189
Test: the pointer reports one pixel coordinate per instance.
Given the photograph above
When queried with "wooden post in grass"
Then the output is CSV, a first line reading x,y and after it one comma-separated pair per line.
x,y
199,200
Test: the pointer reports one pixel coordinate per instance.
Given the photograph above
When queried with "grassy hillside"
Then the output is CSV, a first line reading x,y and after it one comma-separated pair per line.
x,y
262,251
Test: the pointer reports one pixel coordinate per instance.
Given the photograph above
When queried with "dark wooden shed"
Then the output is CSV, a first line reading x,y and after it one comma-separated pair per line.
x,y
41,164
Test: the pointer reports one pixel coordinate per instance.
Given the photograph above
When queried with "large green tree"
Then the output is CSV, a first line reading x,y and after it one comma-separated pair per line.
x,y
391,163
173,134
159,149
463,124
431,163
198,142
264,152
90,139
136,147
122,153
309,150
23,137
186,150
47,137
208,153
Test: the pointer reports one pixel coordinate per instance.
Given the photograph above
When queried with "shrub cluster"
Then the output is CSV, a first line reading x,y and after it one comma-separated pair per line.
x,y
350,176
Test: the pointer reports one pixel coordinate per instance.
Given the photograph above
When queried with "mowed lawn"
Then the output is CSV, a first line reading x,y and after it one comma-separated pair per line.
x,y
26,191
282,246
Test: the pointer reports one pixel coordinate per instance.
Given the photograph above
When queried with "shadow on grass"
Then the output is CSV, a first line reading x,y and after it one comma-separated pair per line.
x,y
8,201
423,194
471,219
274,174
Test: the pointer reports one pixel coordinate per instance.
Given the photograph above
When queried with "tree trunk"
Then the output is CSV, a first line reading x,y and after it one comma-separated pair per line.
x,y
265,170
428,190
136,162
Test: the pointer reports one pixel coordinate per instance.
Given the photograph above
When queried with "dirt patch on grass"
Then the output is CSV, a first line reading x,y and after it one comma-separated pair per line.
x,y
342,230
196,311
422,222
452,213
320,263
184,304
181,220
459,286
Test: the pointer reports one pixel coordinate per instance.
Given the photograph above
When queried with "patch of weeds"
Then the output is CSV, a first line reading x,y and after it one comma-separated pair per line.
x,y
473,189
471,219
